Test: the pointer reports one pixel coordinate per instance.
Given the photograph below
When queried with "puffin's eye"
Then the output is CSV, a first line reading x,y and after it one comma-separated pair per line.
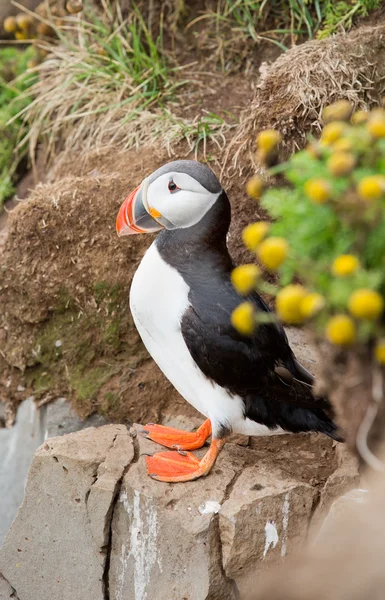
x,y
172,186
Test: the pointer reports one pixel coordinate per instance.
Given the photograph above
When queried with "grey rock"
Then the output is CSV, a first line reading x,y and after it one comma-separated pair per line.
x,y
163,547
56,546
92,518
264,518
17,447
6,591
62,419
344,478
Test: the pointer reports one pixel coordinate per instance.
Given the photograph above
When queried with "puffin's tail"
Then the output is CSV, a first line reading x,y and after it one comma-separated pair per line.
x,y
303,376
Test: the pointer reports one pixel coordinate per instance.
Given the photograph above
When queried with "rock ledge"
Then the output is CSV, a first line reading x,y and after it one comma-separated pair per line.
x,y
94,525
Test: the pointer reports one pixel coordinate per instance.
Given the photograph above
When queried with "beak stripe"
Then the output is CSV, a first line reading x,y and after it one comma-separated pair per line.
x,y
134,217
129,215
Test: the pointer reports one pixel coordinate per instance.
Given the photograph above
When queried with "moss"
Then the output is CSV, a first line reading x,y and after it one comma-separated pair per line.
x,y
113,295
87,383
40,380
79,353
65,301
111,404
111,335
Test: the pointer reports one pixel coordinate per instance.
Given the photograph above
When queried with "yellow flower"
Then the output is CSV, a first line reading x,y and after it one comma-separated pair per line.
x,y
10,25
254,187
359,117
288,303
332,132
245,278
311,304
339,111
24,22
21,35
268,140
345,265
341,330
341,163
371,187
343,145
376,123
366,304
272,252
317,190
243,318
379,352
254,233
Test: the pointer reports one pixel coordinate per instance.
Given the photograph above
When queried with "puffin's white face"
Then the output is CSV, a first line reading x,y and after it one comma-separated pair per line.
x,y
171,200
180,200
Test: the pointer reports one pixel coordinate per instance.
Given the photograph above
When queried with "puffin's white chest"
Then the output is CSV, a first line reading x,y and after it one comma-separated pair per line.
x,y
158,300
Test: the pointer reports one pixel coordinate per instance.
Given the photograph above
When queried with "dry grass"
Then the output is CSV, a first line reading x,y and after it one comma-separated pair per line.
x,y
293,91
109,82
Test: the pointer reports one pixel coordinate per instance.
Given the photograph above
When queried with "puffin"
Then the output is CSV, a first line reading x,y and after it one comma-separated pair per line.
x,y
181,300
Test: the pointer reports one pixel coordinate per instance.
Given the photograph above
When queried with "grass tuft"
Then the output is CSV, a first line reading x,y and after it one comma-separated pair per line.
x,y
15,82
106,81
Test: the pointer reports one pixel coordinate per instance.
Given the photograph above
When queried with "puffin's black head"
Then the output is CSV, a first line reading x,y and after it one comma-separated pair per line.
x,y
176,196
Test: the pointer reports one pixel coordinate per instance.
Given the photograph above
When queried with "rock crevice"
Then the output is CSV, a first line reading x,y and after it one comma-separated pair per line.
x,y
6,590
109,518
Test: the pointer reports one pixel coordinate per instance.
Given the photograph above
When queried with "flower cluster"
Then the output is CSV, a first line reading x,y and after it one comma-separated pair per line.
x,y
327,231
41,25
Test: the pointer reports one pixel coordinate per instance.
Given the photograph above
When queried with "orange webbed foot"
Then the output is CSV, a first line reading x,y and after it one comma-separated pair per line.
x,y
177,466
176,438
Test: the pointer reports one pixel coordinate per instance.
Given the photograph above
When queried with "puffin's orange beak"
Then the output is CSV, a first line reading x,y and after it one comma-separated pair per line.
x,y
133,216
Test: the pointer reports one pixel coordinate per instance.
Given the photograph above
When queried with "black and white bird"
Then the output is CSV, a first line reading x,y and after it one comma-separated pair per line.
x,y
181,300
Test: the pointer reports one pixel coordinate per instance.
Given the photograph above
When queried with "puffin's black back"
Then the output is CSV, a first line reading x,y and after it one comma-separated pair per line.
x,y
245,366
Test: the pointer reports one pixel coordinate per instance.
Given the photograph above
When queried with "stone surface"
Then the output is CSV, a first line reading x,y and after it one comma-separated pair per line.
x,y
127,537
17,447
61,419
354,496
163,547
345,561
18,444
6,591
55,519
344,478
265,516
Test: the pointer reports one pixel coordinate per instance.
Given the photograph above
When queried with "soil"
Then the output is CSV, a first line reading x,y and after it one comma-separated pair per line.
x,y
307,457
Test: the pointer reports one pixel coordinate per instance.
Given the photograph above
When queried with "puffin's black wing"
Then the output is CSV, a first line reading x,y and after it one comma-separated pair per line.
x,y
262,370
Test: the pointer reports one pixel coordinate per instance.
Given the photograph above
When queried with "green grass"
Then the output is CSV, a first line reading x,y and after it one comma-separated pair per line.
x,y
110,81
15,81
